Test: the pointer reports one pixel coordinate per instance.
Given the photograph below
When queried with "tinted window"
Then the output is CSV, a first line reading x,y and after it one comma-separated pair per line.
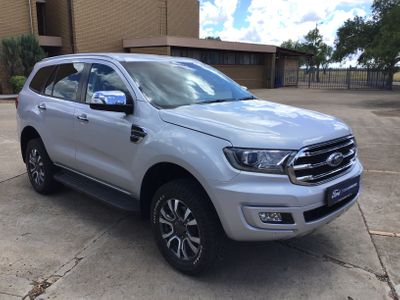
x,y
40,78
66,83
48,87
104,78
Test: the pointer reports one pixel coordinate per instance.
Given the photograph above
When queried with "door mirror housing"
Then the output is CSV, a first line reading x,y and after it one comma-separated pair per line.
x,y
111,101
109,97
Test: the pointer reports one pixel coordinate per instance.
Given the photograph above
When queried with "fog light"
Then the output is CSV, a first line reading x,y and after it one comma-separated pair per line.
x,y
270,217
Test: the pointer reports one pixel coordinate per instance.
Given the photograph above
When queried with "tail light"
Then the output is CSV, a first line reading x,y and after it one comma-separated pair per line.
x,y
16,102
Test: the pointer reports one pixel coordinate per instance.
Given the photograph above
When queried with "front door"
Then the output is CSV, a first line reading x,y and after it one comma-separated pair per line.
x,y
103,147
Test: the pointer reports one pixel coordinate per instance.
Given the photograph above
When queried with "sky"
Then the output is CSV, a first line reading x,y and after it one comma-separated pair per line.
x,y
274,21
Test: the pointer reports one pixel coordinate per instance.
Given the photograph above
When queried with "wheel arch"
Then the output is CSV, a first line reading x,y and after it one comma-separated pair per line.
x,y
27,134
159,174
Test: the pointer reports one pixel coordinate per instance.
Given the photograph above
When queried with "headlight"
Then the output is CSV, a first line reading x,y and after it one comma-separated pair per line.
x,y
253,160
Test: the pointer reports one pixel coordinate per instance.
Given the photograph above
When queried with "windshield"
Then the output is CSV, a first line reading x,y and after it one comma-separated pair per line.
x,y
170,83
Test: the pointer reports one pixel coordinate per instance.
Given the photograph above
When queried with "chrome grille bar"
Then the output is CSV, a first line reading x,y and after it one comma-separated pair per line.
x,y
311,166
314,153
321,164
320,176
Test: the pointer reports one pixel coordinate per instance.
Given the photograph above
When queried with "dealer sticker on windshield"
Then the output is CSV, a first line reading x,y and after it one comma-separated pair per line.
x,y
343,190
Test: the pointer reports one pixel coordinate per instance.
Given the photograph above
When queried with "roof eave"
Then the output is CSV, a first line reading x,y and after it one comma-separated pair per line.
x,y
169,41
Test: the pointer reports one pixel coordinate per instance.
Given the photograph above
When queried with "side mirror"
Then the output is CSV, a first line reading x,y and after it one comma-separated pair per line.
x,y
111,101
244,87
109,97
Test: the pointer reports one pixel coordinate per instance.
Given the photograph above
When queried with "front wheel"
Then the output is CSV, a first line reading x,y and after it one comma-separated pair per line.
x,y
186,226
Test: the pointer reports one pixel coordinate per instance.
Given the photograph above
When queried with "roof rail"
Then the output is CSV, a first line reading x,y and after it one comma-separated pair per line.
x,y
109,56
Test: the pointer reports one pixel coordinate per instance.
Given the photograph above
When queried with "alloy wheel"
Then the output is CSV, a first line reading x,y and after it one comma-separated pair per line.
x,y
36,167
179,229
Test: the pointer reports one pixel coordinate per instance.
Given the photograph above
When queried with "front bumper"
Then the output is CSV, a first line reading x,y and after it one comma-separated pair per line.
x,y
239,201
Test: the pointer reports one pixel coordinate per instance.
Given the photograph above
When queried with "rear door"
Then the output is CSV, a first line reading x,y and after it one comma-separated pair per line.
x,y
57,104
103,147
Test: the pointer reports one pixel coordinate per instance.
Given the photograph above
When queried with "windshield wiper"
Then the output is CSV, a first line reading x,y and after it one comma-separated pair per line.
x,y
248,98
226,100
216,101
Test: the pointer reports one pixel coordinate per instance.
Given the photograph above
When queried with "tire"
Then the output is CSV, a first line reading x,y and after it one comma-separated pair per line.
x,y
193,224
40,168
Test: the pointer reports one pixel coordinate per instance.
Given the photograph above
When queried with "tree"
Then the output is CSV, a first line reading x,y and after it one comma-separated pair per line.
x,y
20,54
214,38
376,41
293,45
313,43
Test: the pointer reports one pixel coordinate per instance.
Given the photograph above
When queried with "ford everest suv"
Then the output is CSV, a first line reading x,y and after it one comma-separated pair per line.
x,y
186,146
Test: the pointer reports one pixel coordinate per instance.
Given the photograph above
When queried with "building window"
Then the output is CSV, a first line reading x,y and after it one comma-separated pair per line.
x,y
41,17
220,57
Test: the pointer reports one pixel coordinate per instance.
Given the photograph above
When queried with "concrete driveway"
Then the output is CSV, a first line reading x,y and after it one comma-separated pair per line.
x,y
68,246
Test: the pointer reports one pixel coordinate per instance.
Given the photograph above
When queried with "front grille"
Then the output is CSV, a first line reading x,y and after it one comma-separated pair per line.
x,y
312,166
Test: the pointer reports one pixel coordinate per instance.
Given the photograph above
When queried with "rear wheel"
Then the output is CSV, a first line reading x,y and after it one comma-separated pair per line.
x,y
40,168
186,226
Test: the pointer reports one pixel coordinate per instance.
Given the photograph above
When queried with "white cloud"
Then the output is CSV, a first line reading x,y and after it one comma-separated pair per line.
x,y
219,12
274,21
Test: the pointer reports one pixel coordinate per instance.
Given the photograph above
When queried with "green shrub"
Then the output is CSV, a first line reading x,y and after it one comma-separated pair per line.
x,y
20,54
30,52
10,56
17,82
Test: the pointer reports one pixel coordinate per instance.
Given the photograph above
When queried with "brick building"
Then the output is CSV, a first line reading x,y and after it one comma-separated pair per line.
x,y
168,27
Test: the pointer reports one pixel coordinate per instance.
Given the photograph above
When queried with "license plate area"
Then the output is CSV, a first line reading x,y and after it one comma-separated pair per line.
x,y
342,190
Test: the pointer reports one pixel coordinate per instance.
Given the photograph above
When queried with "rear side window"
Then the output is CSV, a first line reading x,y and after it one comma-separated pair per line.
x,y
66,83
48,87
40,79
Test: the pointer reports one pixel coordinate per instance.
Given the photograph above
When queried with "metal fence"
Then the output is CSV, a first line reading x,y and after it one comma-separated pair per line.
x,y
351,78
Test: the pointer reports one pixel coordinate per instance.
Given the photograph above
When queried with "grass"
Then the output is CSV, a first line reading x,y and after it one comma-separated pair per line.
x,y
396,76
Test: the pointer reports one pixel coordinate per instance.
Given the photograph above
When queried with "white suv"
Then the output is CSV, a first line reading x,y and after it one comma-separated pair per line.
x,y
188,147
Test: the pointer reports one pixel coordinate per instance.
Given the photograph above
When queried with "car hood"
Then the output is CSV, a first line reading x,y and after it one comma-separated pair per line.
x,y
258,123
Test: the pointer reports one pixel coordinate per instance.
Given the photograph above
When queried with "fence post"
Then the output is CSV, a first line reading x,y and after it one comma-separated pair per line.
x,y
348,74
309,78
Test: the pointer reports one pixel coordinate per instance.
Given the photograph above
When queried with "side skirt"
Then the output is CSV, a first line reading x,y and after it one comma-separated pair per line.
x,y
92,188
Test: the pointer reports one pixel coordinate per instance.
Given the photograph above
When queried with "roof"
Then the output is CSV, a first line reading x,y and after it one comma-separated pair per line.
x,y
176,42
163,41
121,57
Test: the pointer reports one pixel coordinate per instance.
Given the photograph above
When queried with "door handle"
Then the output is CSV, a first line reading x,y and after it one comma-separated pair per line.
x,y
42,106
82,118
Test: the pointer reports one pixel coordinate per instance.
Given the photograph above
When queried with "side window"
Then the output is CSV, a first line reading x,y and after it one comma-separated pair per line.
x,y
67,80
104,78
40,78
48,86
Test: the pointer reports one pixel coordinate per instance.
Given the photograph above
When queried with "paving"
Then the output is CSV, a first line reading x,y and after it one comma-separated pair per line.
x,y
68,246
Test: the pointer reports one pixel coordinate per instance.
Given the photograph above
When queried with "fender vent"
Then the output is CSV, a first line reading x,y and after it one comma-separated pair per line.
x,y
137,134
